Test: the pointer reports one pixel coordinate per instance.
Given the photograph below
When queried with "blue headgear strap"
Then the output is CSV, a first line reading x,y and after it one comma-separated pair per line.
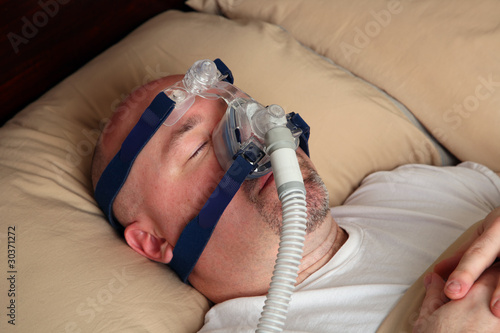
x,y
297,121
197,233
116,173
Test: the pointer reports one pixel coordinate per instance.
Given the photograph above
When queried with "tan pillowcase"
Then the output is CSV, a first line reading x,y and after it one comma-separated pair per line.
x,y
439,58
72,272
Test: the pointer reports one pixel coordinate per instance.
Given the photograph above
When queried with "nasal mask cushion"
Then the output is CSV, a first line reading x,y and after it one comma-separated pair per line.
x,y
238,141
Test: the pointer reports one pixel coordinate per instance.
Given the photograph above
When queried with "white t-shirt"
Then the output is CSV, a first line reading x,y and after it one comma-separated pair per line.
x,y
398,223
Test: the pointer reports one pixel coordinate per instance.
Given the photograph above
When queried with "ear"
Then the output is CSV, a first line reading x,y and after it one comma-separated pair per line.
x,y
147,244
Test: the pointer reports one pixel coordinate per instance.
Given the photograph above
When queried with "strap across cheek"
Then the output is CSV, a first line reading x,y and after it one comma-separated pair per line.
x,y
116,173
197,233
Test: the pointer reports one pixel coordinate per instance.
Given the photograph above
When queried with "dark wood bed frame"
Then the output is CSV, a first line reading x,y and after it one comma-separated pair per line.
x,y
44,41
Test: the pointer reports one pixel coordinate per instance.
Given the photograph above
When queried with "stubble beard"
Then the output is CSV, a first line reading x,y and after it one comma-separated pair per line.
x,y
316,198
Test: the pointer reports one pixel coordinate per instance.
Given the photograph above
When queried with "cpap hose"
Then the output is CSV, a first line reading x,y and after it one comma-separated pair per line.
x,y
291,191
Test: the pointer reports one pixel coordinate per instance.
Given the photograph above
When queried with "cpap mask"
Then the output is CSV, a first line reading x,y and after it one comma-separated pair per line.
x,y
245,123
249,141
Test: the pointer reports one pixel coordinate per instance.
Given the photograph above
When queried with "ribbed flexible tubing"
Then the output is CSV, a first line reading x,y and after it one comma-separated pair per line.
x,y
287,264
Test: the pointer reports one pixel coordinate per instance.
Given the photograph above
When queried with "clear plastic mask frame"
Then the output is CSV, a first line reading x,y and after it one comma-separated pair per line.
x,y
245,123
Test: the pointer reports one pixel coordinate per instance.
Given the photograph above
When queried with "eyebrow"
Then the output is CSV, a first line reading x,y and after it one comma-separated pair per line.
x,y
179,133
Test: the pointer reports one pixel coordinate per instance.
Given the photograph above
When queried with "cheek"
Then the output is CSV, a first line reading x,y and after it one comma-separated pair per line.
x,y
240,209
211,182
197,189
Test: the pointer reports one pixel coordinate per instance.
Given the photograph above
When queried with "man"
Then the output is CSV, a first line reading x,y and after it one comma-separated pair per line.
x,y
177,170
164,184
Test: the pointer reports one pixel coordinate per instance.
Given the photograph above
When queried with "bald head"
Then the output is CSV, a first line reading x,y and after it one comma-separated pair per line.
x,y
123,120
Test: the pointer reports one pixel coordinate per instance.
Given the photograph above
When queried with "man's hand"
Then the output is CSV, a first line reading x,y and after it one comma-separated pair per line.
x,y
467,264
468,314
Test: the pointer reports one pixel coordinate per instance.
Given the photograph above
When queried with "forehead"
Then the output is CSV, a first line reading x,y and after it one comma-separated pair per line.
x,y
128,113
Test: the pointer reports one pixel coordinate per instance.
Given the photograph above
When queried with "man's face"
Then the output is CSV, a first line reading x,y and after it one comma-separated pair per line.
x,y
177,171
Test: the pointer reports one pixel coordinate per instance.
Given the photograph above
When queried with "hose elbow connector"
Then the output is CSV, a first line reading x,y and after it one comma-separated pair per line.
x,y
281,147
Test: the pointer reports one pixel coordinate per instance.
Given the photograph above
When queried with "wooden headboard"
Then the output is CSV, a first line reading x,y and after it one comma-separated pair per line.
x,y
42,42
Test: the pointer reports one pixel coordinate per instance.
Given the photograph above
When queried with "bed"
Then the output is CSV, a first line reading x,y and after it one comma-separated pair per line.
x,y
381,83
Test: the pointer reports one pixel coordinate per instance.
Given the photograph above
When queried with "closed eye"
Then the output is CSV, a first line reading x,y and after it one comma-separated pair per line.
x,y
199,150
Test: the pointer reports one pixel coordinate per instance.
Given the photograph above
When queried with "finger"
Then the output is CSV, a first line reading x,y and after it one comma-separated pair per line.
x,y
433,300
446,266
434,296
495,298
480,255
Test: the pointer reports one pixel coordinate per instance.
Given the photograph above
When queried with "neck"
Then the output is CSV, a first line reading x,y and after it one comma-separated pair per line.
x,y
221,280
322,251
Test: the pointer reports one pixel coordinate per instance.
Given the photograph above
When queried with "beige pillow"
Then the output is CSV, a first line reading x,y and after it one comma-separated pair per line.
x,y
439,58
71,272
